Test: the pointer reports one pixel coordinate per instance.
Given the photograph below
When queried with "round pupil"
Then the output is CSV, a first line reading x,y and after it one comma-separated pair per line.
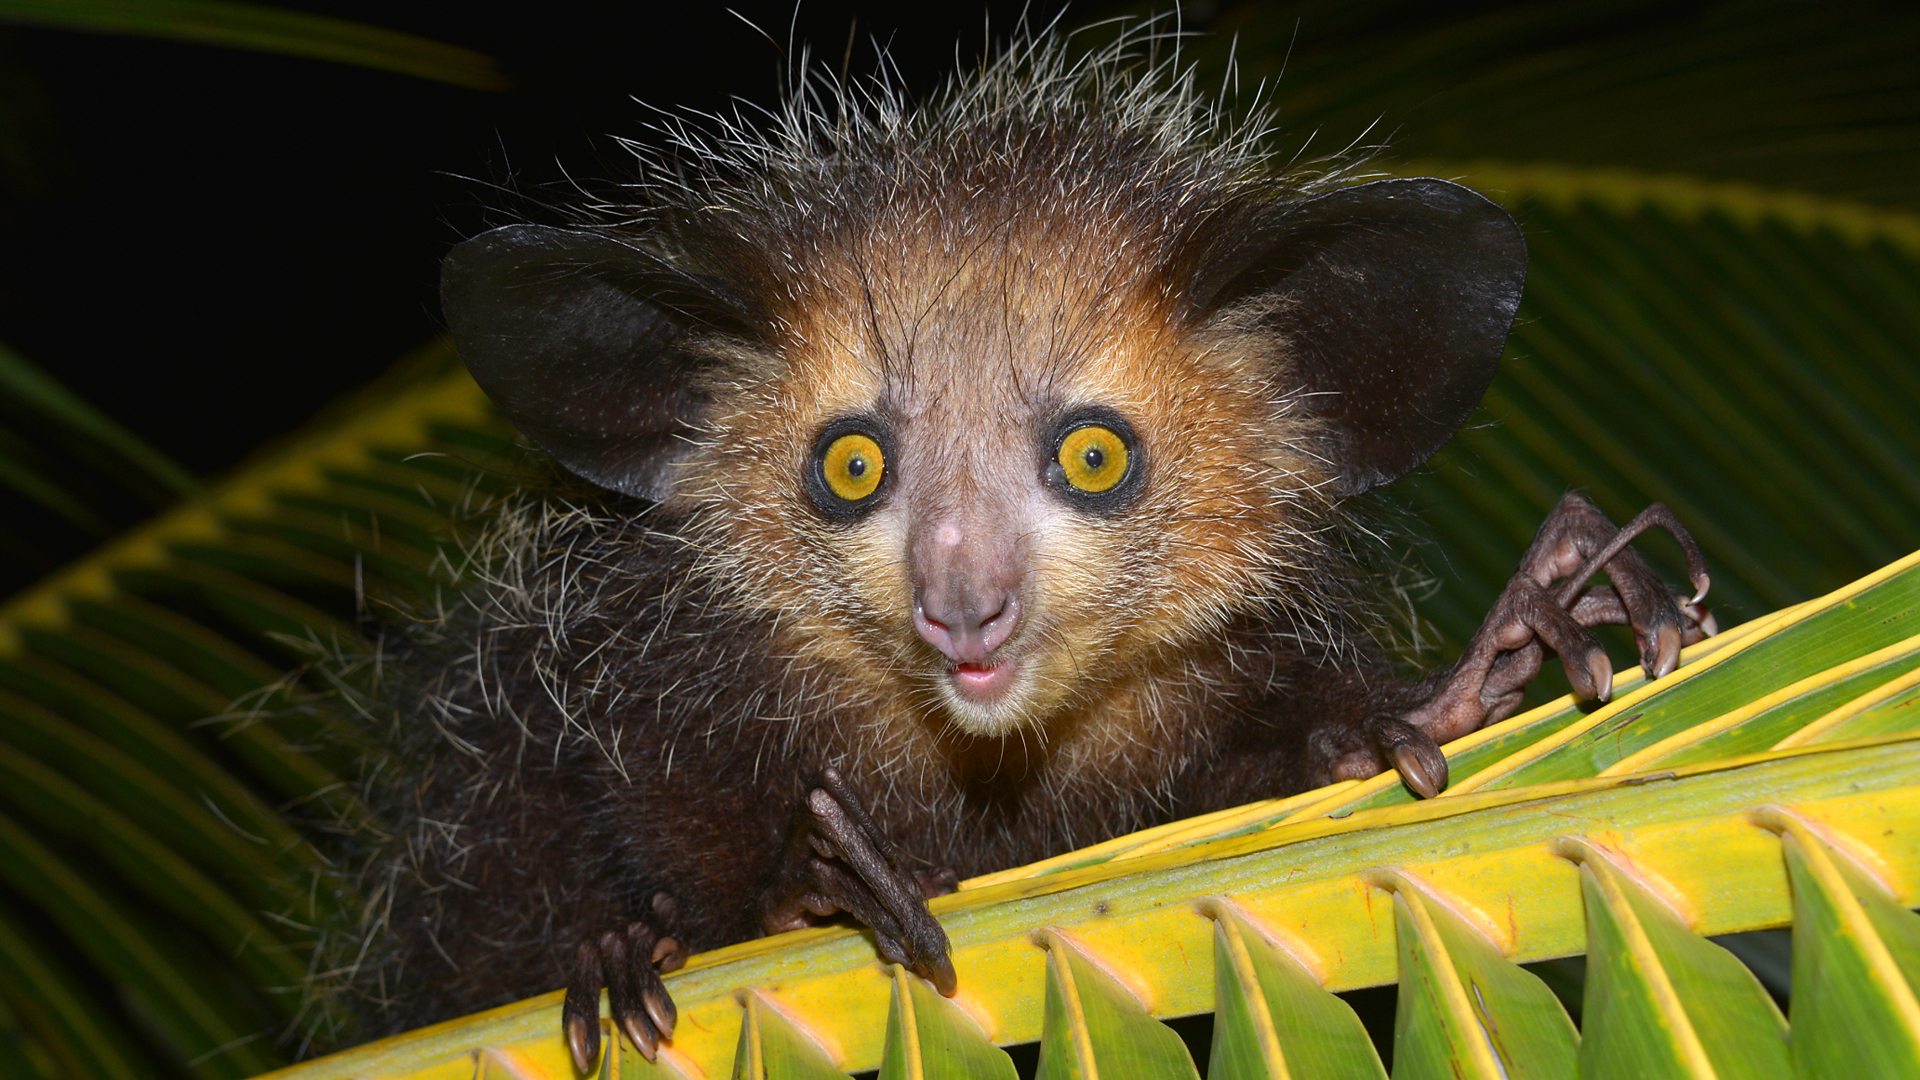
x,y
852,467
1094,458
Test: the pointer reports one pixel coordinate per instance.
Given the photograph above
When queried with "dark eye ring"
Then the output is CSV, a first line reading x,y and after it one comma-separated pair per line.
x,y
1096,460
847,472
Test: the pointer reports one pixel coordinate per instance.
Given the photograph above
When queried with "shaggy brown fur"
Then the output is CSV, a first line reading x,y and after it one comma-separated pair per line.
x,y
638,694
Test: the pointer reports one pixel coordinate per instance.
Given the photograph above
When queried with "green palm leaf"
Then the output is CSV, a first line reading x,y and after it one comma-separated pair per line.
x,y
131,791
1094,1027
1273,1018
263,28
930,1038
1464,1008
1855,1011
772,1048
1661,1000
1333,890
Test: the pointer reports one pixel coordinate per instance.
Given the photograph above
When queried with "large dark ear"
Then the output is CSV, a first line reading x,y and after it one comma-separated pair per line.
x,y
579,338
1393,300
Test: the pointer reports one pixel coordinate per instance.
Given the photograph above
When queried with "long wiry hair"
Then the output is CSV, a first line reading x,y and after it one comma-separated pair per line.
x,y
770,210
582,615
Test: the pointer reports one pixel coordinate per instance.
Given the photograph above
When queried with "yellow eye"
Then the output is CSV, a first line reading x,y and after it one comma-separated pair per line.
x,y
852,466
1093,458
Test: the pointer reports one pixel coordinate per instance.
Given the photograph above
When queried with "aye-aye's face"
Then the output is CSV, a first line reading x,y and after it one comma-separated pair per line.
x,y
995,481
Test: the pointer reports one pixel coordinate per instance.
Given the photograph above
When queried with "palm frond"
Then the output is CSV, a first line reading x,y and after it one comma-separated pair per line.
x,y
149,824
1567,832
266,28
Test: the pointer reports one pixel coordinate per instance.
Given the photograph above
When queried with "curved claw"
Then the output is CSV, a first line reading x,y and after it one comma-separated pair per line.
x,y
1598,683
1387,741
628,964
624,996
661,1011
938,970
1550,605
668,956
580,1014
1702,623
1665,653
1424,772
839,860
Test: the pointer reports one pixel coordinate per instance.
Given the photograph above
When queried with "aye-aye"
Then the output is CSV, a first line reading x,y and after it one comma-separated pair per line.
x,y
971,482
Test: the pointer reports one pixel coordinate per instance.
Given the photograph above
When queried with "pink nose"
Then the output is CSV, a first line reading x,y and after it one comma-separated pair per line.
x,y
966,570
966,624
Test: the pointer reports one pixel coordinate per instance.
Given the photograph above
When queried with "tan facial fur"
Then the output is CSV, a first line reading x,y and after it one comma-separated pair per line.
x,y
968,356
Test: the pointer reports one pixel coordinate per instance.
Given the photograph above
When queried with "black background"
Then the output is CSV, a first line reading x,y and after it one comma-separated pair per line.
x,y
210,244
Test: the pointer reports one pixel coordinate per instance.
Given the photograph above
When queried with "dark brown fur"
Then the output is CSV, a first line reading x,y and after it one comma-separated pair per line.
x,y
637,697
682,780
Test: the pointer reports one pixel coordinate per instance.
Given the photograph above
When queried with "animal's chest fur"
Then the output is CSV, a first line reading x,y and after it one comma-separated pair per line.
x,y
677,731
998,456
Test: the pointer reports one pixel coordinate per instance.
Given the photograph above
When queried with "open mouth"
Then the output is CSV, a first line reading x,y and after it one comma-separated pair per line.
x,y
983,683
